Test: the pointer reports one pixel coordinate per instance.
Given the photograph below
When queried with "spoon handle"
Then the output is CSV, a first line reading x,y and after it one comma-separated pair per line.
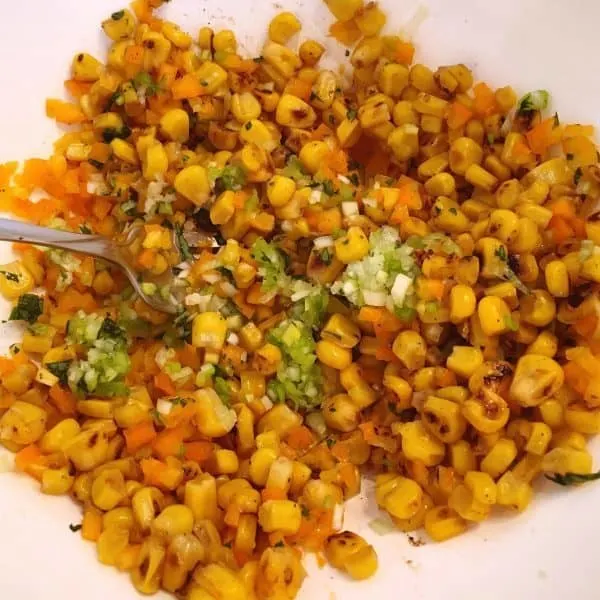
x,y
94,245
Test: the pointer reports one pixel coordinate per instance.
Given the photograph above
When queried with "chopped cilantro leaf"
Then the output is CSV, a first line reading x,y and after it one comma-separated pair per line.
x,y
328,187
510,323
501,253
60,369
29,307
182,245
573,478
351,114
577,175
117,16
75,527
271,263
221,386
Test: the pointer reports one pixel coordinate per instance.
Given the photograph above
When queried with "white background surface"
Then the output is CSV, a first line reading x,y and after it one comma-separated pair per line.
x,y
550,551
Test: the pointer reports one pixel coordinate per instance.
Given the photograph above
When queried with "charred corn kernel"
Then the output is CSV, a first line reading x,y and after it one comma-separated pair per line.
x,y
342,331
175,125
404,141
464,153
462,457
462,302
464,360
353,246
419,444
444,419
545,344
283,26
85,67
294,112
428,104
494,315
124,151
366,53
557,278
567,460
15,280
507,194
513,493
400,496
313,155
310,52
22,423
340,413
333,355
499,458
108,489
119,26
350,553
411,349
372,114
209,330
487,412
503,224
442,523
283,516
481,178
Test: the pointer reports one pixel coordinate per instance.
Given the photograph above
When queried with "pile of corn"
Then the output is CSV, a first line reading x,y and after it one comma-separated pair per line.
x,y
406,282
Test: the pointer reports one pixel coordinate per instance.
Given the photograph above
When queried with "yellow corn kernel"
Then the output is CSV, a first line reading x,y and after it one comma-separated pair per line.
x,y
85,67
310,52
251,336
200,497
22,423
462,457
283,26
372,114
111,544
404,141
284,516
15,280
294,112
211,77
224,462
444,419
175,125
119,26
400,496
442,184
442,523
350,553
448,215
557,278
223,208
256,132
333,355
545,344
56,482
392,80
124,151
463,501
464,360
567,460
312,155
464,152
260,464
462,302
419,444
146,577
214,419
494,315
513,493
349,132
499,458
209,330
340,413
174,520
245,107
341,330
480,178
352,247
581,419
410,348
108,489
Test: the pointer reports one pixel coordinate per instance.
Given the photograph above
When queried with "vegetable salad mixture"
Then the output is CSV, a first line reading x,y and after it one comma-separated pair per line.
x,y
405,283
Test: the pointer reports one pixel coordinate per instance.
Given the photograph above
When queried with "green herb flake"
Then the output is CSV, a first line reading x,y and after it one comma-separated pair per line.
x,y
501,253
328,187
556,120
573,478
577,175
182,245
510,323
279,544
351,114
60,369
536,100
305,511
29,307
271,263
248,126
96,163
453,211
74,527
330,442
221,386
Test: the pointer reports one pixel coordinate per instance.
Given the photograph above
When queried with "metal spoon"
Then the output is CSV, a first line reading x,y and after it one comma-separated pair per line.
x,y
113,251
